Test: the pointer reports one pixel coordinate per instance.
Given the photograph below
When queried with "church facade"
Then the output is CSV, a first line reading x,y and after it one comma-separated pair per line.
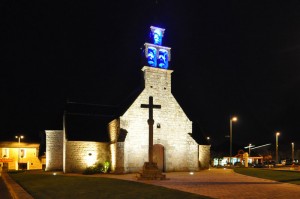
x,y
174,148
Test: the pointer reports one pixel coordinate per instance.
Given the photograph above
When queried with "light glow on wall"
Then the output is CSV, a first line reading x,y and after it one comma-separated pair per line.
x,y
90,158
113,154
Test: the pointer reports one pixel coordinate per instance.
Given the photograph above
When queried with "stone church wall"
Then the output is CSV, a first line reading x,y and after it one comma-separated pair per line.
x,y
113,130
82,154
204,156
171,127
120,158
54,150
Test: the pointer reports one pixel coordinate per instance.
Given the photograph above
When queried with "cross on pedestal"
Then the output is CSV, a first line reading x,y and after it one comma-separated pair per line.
x,y
150,106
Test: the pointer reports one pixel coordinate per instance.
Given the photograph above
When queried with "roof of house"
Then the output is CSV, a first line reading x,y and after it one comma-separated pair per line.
x,y
18,145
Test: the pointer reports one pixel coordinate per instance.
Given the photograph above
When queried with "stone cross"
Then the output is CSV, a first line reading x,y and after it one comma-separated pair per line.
x,y
151,106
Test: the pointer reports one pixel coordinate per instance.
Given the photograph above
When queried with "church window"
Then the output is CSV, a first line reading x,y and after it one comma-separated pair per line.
x,y
5,152
158,125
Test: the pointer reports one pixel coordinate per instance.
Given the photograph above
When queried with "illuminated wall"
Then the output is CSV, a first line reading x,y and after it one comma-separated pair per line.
x,y
204,156
54,150
181,150
113,129
82,154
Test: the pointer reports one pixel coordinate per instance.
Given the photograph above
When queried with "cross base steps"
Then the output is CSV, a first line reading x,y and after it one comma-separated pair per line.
x,y
151,172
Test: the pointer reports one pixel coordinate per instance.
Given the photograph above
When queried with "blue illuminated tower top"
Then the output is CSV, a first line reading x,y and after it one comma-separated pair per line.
x,y
156,35
156,55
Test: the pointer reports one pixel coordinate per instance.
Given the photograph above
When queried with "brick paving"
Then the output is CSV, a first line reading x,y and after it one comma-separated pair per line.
x,y
221,183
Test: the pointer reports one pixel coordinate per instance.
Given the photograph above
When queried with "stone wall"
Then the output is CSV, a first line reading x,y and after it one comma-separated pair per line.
x,y
120,158
82,154
113,130
54,150
204,156
171,127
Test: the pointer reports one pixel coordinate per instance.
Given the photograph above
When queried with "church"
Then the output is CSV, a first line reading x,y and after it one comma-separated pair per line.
x,y
174,148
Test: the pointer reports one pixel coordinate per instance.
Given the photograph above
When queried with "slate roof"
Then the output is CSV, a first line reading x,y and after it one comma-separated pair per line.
x,y
88,122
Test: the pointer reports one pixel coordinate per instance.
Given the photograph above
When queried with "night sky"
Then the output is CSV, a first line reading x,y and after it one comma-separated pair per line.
x,y
229,58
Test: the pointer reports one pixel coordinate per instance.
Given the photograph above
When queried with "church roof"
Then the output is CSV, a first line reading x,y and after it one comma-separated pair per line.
x,y
88,122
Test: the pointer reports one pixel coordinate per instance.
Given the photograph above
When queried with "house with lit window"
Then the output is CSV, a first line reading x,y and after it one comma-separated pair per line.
x,y
23,156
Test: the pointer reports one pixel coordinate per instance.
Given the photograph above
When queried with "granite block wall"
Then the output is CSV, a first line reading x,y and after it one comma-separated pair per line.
x,y
54,150
204,156
82,154
171,127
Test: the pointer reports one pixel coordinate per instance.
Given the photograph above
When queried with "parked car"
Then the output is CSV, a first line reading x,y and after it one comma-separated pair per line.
x,y
269,164
258,165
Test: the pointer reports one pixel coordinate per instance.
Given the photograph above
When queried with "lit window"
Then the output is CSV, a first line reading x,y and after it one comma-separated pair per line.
x,y
5,153
22,153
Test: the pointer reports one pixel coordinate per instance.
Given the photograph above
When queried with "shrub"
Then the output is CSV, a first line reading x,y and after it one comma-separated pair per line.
x,y
89,171
105,167
97,168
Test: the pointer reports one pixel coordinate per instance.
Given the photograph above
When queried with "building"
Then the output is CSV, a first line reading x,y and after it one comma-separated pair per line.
x,y
15,156
174,148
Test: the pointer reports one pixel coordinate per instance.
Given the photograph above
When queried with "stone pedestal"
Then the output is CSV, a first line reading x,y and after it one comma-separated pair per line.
x,y
151,172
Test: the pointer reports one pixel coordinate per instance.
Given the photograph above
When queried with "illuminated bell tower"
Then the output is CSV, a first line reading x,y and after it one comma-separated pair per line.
x,y
156,55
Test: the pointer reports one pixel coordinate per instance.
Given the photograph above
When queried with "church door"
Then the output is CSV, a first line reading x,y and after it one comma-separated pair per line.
x,y
158,155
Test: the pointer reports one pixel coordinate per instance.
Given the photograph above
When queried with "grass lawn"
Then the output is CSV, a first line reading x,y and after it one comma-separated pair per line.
x,y
280,176
49,186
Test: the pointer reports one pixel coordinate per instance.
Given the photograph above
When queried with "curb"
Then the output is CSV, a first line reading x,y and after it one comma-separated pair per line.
x,y
15,190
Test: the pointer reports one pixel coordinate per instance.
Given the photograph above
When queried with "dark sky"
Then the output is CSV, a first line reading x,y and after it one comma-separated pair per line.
x,y
229,58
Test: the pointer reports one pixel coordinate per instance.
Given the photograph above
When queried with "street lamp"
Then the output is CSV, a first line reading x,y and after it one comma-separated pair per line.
x,y
292,152
277,134
232,119
19,139
249,149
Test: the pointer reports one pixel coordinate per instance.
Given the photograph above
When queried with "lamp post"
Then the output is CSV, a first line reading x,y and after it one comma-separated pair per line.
x,y
277,134
232,119
249,149
19,140
292,152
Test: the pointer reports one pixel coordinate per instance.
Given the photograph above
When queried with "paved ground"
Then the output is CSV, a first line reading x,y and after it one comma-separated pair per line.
x,y
4,193
218,183
15,190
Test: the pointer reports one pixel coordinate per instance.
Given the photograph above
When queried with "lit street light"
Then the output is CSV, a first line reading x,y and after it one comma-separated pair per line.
x,y
19,139
292,152
233,119
249,149
277,134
